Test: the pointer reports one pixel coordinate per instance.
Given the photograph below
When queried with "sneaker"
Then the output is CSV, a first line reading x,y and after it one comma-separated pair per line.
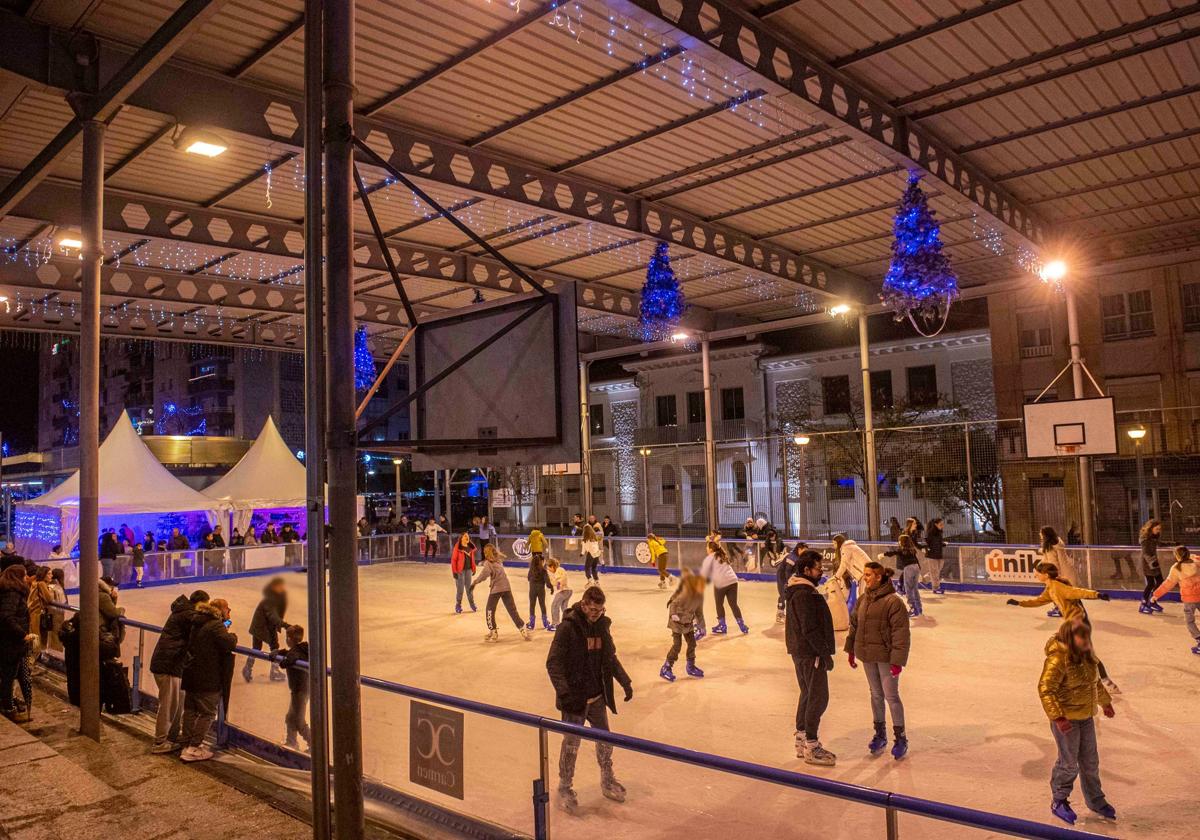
x,y
1061,808
163,747
1110,685
567,800
814,753
196,754
612,789
1108,812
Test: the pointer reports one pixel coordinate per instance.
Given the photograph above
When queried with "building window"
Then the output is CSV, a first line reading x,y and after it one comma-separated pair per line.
x,y
840,486
1033,333
741,483
596,419
733,404
667,484
599,490
922,386
665,410
1127,315
695,407
835,394
1191,306
881,389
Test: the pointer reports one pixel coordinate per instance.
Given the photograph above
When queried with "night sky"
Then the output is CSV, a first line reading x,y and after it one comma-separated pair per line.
x,y
18,396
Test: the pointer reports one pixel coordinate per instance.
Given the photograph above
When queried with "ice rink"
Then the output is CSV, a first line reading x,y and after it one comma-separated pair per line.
x,y
977,732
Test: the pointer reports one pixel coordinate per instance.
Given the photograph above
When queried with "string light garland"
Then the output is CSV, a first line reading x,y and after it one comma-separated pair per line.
x,y
919,285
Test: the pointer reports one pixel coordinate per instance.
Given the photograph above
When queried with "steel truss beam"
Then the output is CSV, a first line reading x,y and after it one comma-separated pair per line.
x,y
1100,153
240,107
138,215
754,44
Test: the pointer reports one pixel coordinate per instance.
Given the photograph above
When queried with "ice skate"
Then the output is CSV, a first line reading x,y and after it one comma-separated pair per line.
x,y
742,626
492,636
474,608
525,635
900,746
1108,812
666,673
879,741
248,670
458,609
277,675
814,753
799,738
662,584
1110,685
700,632
1154,605
546,625
1054,613
719,628
611,788
1145,609
567,800
1061,808
914,612
780,615
529,624
1196,649
693,671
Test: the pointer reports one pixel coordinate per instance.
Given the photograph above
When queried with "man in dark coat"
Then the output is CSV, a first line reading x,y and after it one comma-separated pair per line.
x,y
166,664
14,627
582,665
266,625
207,676
810,642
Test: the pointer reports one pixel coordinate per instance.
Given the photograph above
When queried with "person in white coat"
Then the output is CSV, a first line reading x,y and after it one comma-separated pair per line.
x,y
432,529
851,562
717,569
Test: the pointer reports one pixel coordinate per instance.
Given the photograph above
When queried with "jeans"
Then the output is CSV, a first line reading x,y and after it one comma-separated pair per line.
x,y
729,592
932,566
509,604
558,605
106,567
595,713
912,579
884,687
537,595
199,711
814,695
258,644
170,708
677,643
1077,757
462,583
296,719
1189,616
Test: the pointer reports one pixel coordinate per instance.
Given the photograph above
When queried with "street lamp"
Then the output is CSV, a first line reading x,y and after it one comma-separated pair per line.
x,y
397,463
803,441
645,453
1136,434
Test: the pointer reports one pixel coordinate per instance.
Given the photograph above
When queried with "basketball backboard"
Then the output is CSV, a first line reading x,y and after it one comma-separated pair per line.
x,y
1070,428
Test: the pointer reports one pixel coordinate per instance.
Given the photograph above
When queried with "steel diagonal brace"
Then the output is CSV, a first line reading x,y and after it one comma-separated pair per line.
x,y
383,247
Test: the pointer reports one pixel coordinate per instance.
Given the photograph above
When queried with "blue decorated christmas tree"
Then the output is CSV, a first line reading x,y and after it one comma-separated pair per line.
x,y
364,362
919,284
662,299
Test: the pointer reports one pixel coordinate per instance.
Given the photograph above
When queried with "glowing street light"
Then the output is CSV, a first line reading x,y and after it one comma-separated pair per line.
x,y
1054,271
802,440
679,336
70,242
840,309
1136,433
198,141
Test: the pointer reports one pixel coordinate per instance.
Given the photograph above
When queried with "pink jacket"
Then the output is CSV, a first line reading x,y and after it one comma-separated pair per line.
x,y
1187,576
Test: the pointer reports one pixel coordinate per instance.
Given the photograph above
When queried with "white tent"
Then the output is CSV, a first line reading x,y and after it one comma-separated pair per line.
x,y
268,476
132,481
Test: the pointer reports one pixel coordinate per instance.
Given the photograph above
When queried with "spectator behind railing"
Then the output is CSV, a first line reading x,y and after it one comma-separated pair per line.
x,y
167,664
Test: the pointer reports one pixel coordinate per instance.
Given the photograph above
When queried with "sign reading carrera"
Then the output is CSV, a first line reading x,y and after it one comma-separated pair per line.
x,y
435,748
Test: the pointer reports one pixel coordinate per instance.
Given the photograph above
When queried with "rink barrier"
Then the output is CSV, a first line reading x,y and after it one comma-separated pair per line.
x,y
893,804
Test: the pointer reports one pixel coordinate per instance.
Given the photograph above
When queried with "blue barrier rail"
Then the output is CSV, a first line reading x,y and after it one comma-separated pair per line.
x,y
891,803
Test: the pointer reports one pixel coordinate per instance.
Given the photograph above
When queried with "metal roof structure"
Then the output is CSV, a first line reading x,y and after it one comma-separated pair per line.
x,y
768,142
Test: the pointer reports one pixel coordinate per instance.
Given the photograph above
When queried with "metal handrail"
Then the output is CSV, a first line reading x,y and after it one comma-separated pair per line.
x,y
890,802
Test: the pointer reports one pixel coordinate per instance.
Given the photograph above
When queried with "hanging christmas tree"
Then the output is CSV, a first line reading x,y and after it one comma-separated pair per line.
x,y
364,362
920,284
662,299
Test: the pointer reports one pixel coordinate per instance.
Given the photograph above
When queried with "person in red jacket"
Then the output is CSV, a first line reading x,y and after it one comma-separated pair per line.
x,y
462,567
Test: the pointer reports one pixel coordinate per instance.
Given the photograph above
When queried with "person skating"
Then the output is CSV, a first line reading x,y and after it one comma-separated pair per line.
x,y
1067,603
431,531
1070,689
1054,552
1184,574
658,555
166,665
462,567
810,642
206,677
582,665
879,639
1150,538
935,547
591,538
539,584
910,569
852,560
487,533
682,608
296,720
562,591
265,625
717,569
783,573
499,589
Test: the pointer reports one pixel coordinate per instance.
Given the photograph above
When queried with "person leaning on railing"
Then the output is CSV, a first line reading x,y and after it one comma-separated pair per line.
x,y
207,677
166,666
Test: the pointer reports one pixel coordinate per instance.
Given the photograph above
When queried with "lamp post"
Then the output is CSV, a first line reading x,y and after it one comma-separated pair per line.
x,y
645,453
398,463
1136,436
803,441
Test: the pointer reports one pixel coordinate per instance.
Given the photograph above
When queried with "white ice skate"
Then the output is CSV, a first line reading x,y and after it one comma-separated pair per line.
x,y
525,634
492,636
814,753
612,789
567,800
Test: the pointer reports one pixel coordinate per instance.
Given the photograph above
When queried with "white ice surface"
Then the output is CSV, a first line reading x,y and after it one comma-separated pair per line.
x,y
978,735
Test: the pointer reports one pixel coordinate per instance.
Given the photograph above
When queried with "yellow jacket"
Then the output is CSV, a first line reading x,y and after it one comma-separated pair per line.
x,y
1070,691
1065,597
658,547
537,542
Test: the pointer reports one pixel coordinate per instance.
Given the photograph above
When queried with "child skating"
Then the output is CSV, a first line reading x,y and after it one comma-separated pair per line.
x,y
658,554
296,719
716,568
539,584
682,610
562,592
499,589
1184,574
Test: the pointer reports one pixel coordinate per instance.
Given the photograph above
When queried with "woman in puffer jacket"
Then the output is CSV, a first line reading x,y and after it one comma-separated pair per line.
x,y
1186,576
1055,553
1070,689
879,639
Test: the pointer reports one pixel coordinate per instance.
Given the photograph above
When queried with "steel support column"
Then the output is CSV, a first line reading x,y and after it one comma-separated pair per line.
x,y
1084,463
346,749
91,258
872,477
585,439
710,451
316,406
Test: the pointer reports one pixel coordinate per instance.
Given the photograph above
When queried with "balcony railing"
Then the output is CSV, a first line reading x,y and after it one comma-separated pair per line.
x,y
723,430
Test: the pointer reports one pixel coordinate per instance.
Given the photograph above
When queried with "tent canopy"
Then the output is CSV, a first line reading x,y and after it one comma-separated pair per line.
x,y
267,476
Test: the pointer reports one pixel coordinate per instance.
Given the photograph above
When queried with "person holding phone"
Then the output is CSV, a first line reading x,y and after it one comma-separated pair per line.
x,y
207,677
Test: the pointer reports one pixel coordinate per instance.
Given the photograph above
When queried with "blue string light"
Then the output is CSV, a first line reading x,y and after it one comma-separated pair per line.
x,y
364,362
919,284
662,299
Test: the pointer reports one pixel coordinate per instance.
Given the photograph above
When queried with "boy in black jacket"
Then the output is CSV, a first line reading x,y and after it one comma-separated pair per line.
x,y
810,641
166,664
582,665
207,675
296,720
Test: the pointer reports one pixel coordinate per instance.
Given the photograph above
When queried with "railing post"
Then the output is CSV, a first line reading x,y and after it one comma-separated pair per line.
x,y
541,790
892,817
136,703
